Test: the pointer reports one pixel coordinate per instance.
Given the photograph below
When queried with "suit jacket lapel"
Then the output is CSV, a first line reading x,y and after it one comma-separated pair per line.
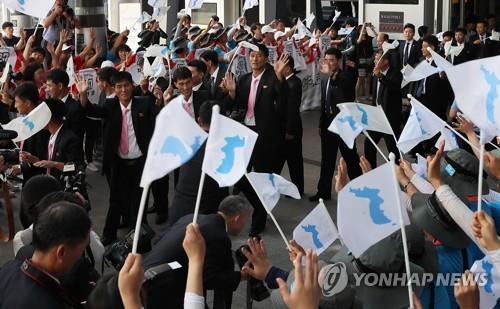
x,y
259,87
134,109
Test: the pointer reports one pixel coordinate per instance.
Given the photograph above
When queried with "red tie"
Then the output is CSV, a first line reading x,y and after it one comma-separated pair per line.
x,y
251,98
124,134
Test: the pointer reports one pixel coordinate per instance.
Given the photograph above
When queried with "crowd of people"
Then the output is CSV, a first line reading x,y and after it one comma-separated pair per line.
x,y
60,260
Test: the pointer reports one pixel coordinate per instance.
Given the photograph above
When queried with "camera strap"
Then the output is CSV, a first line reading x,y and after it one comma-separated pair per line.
x,y
46,281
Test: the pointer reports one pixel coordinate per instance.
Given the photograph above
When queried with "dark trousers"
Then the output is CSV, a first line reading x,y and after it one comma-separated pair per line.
x,y
371,151
91,134
159,188
291,153
125,194
331,143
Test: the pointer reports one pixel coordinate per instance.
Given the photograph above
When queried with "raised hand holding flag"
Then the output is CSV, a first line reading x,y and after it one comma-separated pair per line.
x,y
30,124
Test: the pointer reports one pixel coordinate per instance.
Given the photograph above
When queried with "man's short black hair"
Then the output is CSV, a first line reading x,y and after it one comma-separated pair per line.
x,y
29,71
124,47
52,198
56,107
210,55
62,223
431,40
334,51
254,27
422,31
263,49
482,22
181,73
39,50
205,113
199,65
386,37
27,91
58,76
448,33
123,76
462,30
409,25
7,24
107,74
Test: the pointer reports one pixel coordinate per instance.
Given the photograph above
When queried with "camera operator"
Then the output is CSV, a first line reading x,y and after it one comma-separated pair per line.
x,y
219,274
34,148
60,237
63,145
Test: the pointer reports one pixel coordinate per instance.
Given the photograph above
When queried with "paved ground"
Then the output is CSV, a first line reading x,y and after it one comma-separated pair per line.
x,y
288,212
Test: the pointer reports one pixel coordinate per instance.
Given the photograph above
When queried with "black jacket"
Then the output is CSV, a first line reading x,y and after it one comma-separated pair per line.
x,y
218,273
490,48
414,55
143,111
37,145
389,97
74,117
291,110
67,148
465,55
340,90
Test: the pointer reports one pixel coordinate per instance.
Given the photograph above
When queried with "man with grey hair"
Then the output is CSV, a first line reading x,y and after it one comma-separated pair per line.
x,y
219,274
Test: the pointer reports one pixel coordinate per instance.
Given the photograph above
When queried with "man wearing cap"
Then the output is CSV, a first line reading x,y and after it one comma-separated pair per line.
x,y
258,96
220,47
268,34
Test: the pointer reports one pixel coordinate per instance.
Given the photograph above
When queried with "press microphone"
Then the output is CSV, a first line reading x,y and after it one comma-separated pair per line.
x,y
7,134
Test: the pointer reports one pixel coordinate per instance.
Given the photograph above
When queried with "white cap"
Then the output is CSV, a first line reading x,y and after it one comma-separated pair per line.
x,y
66,47
267,29
278,34
107,64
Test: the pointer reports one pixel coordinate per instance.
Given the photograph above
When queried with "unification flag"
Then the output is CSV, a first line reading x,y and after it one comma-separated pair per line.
x,y
475,84
421,71
228,151
157,3
145,17
250,4
302,29
346,126
370,117
449,138
309,20
159,12
176,139
441,63
421,125
270,186
367,209
36,8
489,281
195,4
317,230
29,125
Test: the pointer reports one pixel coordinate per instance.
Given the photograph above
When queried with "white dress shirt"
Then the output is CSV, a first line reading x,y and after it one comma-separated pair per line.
x,y
52,140
134,151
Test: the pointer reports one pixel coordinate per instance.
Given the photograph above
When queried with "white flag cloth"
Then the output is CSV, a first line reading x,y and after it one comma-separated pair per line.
x,y
450,140
495,36
302,29
176,139
309,19
157,3
145,17
195,4
441,63
70,70
345,31
5,73
421,125
30,124
36,8
159,12
336,16
229,149
406,71
386,46
270,186
367,209
372,118
346,126
475,84
250,4
489,285
158,68
421,71
156,51
317,230
420,167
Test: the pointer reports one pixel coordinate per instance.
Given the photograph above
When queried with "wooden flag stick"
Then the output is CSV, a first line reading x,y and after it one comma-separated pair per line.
x,y
403,231
268,212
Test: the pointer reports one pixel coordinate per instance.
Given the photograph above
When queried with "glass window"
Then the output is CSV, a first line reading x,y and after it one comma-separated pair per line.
x,y
203,15
392,1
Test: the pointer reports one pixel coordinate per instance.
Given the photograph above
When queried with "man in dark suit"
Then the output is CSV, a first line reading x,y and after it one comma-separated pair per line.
x,y
337,87
128,129
386,93
467,52
35,147
186,190
409,49
198,70
291,152
57,88
63,145
219,274
257,98
482,46
214,75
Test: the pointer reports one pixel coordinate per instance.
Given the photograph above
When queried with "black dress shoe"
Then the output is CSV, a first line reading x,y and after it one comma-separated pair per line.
x,y
317,196
106,241
160,219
